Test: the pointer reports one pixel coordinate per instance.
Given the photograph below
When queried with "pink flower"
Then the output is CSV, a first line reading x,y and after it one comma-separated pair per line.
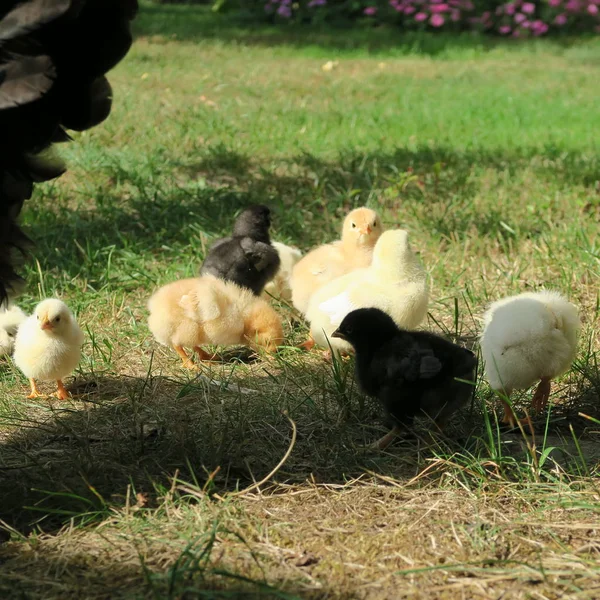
x,y
468,5
420,16
539,27
284,11
455,15
409,10
554,2
528,8
520,17
525,24
437,20
439,8
592,9
511,8
516,33
370,11
560,19
572,5
504,29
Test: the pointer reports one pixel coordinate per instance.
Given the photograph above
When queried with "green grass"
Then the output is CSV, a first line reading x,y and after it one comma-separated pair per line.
x,y
487,151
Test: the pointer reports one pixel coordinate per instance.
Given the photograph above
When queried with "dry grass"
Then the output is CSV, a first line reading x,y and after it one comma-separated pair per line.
x,y
129,490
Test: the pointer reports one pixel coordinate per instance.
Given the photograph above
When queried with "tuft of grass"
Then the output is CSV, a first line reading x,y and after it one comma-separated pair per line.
x,y
149,484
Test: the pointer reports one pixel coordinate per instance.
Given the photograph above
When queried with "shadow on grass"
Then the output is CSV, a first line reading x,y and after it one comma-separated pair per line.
x,y
172,211
197,23
76,459
27,573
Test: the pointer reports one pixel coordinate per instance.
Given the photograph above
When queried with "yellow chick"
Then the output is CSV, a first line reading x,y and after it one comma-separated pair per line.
x,y
528,338
395,283
10,320
206,310
280,287
48,346
361,230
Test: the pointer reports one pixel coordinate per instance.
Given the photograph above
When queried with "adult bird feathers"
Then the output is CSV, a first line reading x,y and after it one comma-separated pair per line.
x,y
54,55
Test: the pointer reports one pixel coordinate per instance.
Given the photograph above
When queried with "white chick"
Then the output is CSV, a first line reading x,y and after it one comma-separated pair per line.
x,y
361,230
281,287
10,320
48,346
528,338
395,283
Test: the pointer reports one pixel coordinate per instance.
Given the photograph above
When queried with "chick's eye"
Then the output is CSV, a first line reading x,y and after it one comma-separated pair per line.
x,y
57,319
353,225
374,223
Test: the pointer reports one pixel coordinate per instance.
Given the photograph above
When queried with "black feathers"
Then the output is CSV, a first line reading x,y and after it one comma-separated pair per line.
x,y
53,58
410,372
247,257
25,79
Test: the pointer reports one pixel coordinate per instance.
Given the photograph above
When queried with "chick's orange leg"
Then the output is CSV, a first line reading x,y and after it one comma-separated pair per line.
x,y
203,355
61,393
387,439
187,361
35,393
508,418
540,399
308,345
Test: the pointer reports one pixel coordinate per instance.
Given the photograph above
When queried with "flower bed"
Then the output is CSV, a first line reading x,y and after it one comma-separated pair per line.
x,y
517,19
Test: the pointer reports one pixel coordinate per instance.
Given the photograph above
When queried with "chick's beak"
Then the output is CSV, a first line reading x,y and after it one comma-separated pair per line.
x,y
46,324
365,230
337,334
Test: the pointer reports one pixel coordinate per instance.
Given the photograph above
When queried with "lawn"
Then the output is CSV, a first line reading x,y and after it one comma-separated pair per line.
x,y
157,483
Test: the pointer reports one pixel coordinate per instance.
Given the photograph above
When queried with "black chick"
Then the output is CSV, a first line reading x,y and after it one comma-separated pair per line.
x,y
410,372
247,257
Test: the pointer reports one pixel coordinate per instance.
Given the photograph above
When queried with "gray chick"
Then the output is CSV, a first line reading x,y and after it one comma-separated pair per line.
x,y
247,257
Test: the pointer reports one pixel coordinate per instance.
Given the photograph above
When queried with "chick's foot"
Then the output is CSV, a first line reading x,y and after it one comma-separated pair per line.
x,y
308,345
61,393
35,393
185,359
387,439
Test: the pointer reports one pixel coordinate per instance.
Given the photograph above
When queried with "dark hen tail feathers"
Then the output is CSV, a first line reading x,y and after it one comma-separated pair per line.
x,y
53,58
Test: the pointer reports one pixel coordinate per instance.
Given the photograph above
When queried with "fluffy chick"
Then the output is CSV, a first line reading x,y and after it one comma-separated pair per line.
x,y
207,310
10,320
528,338
396,283
362,228
48,346
281,287
247,258
411,373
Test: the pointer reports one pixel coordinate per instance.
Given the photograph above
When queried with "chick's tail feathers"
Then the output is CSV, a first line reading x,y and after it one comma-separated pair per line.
x,y
53,58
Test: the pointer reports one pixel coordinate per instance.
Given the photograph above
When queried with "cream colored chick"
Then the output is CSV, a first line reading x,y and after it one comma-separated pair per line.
x,y
206,310
395,283
48,345
528,338
10,319
280,286
361,230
